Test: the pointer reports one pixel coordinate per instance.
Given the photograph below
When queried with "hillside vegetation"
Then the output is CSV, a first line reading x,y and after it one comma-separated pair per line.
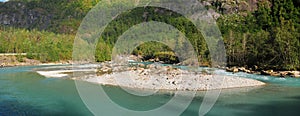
x,y
263,33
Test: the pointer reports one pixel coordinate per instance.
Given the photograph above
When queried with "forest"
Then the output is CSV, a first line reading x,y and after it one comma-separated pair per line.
x,y
266,36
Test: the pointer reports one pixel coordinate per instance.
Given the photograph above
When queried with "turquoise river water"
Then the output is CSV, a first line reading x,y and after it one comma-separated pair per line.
x,y
26,93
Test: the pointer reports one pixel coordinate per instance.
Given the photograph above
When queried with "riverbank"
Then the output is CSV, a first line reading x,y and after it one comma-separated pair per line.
x,y
11,61
269,72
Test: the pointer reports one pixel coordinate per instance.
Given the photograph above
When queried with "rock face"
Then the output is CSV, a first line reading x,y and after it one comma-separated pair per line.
x,y
232,6
19,15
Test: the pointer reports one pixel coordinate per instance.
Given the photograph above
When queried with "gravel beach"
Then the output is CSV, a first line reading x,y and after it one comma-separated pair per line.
x,y
191,82
154,77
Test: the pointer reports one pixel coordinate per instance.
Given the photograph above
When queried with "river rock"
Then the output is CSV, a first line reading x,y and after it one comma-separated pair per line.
x,y
104,70
144,72
243,69
275,74
154,66
140,70
271,73
205,72
268,72
294,73
233,69
150,66
167,68
283,73
141,65
151,60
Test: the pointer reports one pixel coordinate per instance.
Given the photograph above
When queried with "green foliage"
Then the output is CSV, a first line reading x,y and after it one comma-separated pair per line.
x,y
167,57
149,50
267,37
41,45
103,52
136,16
263,14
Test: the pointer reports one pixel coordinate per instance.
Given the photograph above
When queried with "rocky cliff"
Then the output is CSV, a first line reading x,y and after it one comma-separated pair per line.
x,y
18,14
231,6
58,14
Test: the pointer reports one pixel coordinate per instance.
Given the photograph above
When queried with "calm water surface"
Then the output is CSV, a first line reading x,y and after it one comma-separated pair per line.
x,y
24,92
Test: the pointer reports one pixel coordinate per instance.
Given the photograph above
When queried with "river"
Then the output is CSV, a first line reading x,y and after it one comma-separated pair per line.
x,y
24,92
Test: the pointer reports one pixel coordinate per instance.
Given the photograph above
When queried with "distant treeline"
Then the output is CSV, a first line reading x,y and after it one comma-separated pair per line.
x,y
268,37
40,45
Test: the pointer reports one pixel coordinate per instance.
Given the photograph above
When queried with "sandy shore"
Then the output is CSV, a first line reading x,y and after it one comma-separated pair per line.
x,y
11,61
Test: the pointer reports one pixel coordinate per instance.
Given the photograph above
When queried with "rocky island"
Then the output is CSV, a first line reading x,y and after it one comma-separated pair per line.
x,y
153,76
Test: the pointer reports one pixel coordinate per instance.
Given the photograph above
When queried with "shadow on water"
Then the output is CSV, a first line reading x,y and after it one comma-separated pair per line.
x,y
15,108
193,108
274,108
137,103
247,101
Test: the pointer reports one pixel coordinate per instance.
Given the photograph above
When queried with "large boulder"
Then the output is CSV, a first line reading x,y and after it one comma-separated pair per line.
x,y
232,69
283,73
243,69
294,73
270,73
